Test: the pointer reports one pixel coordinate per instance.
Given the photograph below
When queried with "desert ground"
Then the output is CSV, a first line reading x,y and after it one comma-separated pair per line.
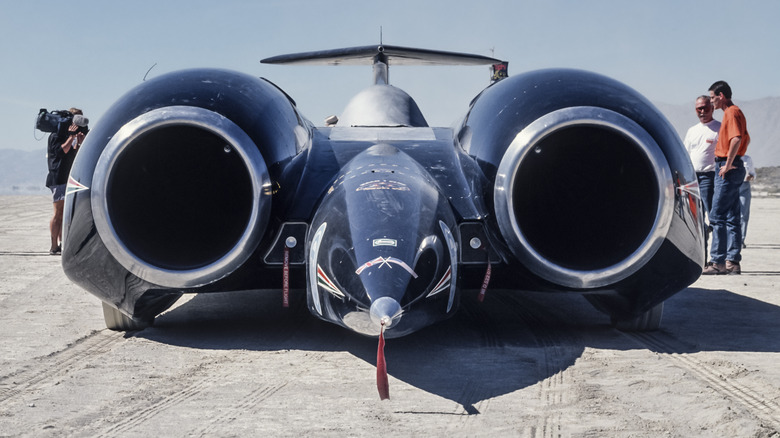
x,y
527,365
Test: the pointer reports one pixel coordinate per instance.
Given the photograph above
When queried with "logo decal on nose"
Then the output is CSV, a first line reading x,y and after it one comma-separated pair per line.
x,y
385,242
385,261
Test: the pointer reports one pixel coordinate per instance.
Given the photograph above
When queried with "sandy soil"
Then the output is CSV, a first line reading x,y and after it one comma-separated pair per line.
x,y
517,365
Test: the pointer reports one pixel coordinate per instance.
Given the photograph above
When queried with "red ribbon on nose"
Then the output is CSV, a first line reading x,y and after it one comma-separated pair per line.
x,y
382,385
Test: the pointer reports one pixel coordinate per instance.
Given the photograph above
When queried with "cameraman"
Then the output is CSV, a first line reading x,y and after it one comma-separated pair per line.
x,y
63,146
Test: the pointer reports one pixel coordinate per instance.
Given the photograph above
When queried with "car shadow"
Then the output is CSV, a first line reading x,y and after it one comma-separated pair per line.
x,y
509,342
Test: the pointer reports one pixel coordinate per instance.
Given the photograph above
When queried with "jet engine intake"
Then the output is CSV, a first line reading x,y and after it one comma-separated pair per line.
x,y
583,196
582,172
180,196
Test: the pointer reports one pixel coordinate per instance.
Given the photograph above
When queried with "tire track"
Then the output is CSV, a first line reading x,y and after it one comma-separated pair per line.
x,y
552,390
253,399
159,406
499,321
752,400
40,371
555,343
197,382
474,399
203,378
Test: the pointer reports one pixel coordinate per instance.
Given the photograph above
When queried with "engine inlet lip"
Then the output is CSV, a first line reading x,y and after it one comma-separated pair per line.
x,y
525,142
240,142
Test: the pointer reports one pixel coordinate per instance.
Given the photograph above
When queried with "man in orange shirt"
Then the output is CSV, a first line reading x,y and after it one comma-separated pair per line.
x,y
733,140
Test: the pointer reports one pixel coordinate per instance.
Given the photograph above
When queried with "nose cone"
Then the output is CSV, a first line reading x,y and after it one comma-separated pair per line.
x,y
381,247
385,311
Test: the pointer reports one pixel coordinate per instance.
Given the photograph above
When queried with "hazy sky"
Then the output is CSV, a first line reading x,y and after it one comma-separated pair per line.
x,y
88,53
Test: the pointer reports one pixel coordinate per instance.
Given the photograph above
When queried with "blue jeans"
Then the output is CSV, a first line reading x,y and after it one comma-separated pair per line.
x,y
725,216
706,187
744,200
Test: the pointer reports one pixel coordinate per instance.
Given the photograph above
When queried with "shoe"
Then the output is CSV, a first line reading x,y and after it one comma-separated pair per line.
x,y
714,269
733,268
56,251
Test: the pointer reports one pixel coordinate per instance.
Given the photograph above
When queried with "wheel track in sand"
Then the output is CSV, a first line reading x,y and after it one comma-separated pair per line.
x,y
753,400
554,369
241,408
473,399
37,373
205,377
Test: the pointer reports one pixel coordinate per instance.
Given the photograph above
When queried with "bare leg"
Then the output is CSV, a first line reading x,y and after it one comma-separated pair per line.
x,y
55,225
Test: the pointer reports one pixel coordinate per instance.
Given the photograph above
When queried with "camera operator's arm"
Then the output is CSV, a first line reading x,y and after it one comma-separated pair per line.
x,y
74,139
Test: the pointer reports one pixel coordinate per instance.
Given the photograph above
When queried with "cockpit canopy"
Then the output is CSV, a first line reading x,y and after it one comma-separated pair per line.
x,y
382,106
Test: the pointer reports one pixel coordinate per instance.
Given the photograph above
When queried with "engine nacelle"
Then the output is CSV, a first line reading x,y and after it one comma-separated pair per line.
x,y
583,172
180,174
220,208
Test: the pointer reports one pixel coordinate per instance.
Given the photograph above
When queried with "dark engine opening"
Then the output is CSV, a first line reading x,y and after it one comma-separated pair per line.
x,y
585,197
179,197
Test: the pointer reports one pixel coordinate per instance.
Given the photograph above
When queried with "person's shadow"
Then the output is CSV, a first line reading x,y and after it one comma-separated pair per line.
x,y
509,342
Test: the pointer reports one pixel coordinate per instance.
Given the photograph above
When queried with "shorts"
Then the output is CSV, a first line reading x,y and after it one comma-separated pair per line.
x,y
59,192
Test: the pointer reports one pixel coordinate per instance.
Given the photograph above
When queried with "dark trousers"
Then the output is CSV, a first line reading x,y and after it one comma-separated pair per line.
x,y
725,216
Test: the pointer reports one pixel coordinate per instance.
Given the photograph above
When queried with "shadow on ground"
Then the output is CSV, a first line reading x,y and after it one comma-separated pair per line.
x,y
509,342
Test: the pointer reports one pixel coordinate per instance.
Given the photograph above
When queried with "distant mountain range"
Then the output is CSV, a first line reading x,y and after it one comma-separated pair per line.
x,y
24,172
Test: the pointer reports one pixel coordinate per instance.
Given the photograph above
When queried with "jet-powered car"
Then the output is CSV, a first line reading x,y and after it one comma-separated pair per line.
x,y
556,180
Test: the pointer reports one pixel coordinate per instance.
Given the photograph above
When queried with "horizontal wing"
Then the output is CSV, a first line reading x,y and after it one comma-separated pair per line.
x,y
391,55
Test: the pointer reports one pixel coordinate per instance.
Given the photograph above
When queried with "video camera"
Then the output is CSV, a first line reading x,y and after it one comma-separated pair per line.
x,y
53,121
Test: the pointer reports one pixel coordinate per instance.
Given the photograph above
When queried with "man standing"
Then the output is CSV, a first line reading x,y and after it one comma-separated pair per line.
x,y
745,194
733,141
63,145
700,141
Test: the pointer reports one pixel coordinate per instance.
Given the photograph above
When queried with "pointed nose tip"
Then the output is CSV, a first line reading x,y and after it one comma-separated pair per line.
x,y
385,311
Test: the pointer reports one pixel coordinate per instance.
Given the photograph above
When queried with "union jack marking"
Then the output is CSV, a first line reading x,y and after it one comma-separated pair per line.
x,y
443,284
385,261
74,186
324,282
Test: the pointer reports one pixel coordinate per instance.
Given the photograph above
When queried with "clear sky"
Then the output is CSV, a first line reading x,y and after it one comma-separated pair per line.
x,y
88,53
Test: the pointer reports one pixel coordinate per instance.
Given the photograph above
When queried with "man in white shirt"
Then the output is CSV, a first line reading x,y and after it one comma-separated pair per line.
x,y
745,194
700,141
